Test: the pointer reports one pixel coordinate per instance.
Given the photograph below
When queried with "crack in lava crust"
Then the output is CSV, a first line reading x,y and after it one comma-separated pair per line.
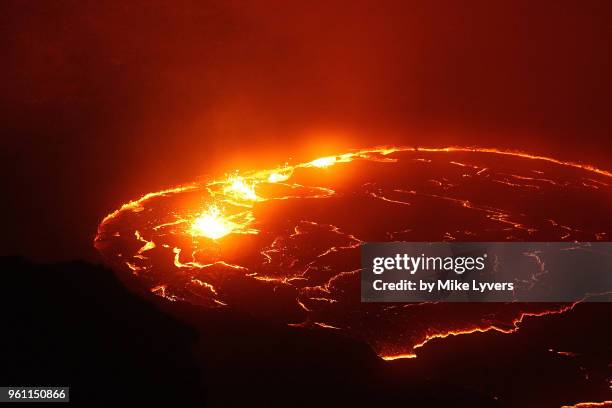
x,y
283,243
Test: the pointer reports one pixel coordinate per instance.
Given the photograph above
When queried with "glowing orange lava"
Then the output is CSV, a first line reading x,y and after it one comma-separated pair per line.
x,y
323,162
240,188
603,404
212,224
294,246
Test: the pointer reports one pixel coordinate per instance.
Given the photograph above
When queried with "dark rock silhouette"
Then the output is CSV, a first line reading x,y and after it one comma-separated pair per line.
x,y
73,324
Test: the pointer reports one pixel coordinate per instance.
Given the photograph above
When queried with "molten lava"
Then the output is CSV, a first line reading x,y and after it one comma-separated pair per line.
x,y
212,224
323,162
283,243
240,189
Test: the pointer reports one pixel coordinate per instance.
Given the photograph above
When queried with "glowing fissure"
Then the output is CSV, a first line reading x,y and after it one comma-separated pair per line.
x,y
480,329
602,404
